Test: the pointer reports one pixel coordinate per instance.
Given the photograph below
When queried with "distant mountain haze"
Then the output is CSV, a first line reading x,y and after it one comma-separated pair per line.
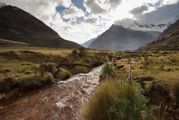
x,y
20,26
87,43
119,38
167,41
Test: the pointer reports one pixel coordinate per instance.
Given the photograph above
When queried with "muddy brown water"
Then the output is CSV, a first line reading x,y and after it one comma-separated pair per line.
x,y
58,102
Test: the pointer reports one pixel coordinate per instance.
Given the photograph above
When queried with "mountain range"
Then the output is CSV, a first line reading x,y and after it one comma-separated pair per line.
x,y
141,26
119,38
168,40
16,25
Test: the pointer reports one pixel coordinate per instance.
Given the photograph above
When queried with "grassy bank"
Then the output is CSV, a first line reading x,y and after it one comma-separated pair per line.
x,y
153,91
36,67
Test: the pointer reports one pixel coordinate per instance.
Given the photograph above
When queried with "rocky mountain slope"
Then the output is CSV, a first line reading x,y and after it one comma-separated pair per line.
x,y
168,40
20,26
120,39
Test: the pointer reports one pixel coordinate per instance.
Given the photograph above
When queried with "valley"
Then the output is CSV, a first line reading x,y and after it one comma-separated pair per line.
x,y
64,99
89,60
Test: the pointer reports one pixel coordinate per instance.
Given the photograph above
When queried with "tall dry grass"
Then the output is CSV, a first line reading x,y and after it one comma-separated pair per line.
x,y
111,101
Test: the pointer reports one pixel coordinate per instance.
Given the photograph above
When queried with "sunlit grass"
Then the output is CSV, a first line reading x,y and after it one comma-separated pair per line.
x,y
111,101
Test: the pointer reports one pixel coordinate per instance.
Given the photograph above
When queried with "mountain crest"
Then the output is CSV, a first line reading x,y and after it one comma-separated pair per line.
x,y
168,40
119,38
20,26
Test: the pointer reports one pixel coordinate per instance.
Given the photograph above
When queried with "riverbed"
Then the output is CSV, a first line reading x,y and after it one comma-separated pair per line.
x,y
61,101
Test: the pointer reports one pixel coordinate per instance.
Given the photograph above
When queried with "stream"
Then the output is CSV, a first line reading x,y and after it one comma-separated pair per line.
x,y
61,101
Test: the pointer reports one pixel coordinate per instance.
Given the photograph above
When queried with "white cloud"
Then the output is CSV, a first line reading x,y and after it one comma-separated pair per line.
x,y
79,25
93,7
72,12
114,3
65,3
139,10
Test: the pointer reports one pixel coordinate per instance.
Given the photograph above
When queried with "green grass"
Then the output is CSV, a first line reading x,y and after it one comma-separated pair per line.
x,y
163,68
111,101
26,83
109,71
157,74
20,63
64,74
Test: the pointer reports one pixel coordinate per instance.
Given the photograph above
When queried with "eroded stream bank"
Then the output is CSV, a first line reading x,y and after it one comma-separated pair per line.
x,y
59,102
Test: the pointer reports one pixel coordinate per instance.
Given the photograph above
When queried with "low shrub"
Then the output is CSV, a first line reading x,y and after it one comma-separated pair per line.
x,y
75,53
80,69
48,67
166,99
109,71
147,61
96,63
10,55
4,71
142,80
26,83
64,74
82,52
112,101
7,84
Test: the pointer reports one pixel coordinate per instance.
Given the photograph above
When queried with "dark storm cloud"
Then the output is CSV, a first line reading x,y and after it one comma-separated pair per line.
x,y
163,14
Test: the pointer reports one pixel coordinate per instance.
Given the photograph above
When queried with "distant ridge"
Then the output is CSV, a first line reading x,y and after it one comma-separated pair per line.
x,y
167,41
87,43
20,26
119,38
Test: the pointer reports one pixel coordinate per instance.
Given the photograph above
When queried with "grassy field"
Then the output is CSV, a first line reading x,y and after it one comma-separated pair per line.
x,y
156,77
29,63
21,62
161,66
44,50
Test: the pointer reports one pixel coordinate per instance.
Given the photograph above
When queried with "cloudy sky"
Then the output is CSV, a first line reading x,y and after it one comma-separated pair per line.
x,y
81,20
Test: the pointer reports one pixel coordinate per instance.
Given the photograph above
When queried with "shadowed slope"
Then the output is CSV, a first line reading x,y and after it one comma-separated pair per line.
x,y
20,26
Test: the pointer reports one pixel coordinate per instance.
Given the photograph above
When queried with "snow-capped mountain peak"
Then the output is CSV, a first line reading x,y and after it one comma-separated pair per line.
x,y
135,25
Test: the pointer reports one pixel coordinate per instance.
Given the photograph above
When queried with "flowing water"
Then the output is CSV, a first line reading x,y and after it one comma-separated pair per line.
x,y
61,101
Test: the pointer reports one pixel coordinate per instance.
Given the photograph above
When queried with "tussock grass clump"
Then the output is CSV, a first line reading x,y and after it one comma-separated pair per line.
x,y
10,55
166,99
27,83
64,74
108,71
112,101
80,69
34,82
74,53
97,62
81,52
147,61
